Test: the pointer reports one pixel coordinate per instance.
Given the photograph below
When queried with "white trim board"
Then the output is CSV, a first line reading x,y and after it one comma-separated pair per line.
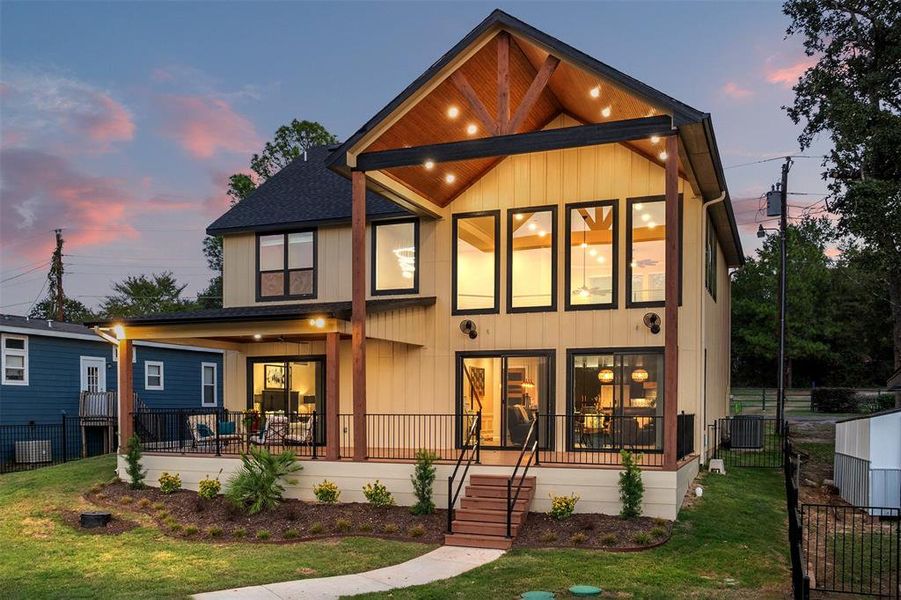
x,y
92,337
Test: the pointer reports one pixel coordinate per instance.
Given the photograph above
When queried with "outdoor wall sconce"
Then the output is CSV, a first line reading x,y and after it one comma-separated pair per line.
x,y
652,322
468,327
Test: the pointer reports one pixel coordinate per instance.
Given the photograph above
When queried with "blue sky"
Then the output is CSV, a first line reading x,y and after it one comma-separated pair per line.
x,y
121,121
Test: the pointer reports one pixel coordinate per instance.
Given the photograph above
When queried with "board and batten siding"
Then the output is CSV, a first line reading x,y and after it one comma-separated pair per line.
x,y
407,378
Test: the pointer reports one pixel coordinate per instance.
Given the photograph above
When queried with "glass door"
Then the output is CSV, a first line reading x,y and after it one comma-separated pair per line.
x,y
289,389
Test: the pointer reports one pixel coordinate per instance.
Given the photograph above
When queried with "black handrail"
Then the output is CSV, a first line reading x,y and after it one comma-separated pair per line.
x,y
475,431
511,498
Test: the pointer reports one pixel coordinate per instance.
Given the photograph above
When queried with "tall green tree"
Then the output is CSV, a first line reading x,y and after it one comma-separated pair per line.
x,y
853,96
288,143
75,311
141,295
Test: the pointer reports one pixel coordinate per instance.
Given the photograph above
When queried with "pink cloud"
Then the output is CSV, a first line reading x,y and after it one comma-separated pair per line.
x,y
788,76
204,126
735,91
111,123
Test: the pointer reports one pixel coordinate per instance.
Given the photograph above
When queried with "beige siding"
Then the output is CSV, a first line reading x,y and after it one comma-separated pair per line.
x,y
717,343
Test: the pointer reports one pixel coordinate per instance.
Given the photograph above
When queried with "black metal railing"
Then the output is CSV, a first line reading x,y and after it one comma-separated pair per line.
x,y
34,445
400,436
470,452
748,441
597,439
530,450
791,472
228,432
685,435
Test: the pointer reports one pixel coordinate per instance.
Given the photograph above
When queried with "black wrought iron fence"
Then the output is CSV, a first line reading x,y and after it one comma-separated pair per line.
x,y
800,578
34,445
748,441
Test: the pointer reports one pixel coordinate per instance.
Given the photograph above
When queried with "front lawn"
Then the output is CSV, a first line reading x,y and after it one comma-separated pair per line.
x,y
42,557
731,543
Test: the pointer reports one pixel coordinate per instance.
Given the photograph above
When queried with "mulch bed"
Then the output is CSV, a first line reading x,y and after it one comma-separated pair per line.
x,y
116,525
185,514
605,532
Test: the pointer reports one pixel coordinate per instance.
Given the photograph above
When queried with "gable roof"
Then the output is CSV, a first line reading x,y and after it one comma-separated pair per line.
x,y
303,194
59,328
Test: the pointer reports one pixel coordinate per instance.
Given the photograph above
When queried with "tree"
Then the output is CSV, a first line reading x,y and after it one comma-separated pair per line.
x,y
289,142
853,95
140,295
75,311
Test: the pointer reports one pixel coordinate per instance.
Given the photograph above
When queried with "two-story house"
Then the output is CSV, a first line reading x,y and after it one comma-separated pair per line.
x,y
523,256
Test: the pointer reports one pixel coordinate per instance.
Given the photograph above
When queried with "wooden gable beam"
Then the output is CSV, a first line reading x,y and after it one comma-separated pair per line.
x,y
469,94
533,93
503,82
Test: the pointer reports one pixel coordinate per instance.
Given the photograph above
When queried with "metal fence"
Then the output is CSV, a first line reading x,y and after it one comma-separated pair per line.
x,y
35,445
791,471
748,441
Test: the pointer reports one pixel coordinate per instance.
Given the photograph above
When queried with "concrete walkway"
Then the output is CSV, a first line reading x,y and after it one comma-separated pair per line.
x,y
442,563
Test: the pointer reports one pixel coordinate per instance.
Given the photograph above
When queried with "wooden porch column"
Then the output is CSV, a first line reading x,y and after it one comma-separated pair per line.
x,y
358,312
671,310
332,397
126,393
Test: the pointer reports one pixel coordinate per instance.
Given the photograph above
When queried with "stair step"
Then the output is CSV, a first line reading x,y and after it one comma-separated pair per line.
x,y
498,480
496,491
473,540
488,515
493,503
484,528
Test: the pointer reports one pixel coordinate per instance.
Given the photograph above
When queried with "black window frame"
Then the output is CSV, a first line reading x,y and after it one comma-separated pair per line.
x,y
285,270
373,233
496,214
614,303
511,212
711,249
628,266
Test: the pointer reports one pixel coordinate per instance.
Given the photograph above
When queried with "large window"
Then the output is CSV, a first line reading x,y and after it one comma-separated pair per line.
x,y
208,384
616,399
395,257
710,251
646,251
591,255
476,263
15,359
286,265
286,391
532,259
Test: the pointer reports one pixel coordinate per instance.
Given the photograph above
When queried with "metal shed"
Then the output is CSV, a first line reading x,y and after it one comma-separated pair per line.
x,y
868,459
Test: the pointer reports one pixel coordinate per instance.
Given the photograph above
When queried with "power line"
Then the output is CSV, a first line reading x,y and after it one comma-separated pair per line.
x,y
42,265
766,160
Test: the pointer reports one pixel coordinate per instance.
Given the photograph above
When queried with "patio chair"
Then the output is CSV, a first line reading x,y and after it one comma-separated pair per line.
x,y
203,430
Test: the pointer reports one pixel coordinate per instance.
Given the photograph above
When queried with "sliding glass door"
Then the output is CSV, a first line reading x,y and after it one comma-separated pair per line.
x,y
509,389
289,386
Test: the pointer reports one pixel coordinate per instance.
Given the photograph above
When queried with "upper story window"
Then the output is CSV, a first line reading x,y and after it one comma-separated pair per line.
x,y
532,259
710,252
15,359
591,242
153,375
286,265
395,257
646,251
476,263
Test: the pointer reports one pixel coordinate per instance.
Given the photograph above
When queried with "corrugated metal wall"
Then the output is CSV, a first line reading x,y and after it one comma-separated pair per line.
x,y
885,489
852,477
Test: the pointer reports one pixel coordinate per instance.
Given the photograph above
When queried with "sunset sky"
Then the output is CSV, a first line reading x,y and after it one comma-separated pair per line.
x,y
121,122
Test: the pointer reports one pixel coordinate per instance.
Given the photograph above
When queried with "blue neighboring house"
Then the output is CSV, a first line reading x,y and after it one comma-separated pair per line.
x,y
46,365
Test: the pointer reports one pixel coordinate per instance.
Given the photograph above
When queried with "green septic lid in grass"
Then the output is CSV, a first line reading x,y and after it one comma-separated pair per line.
x,y
584,590
537,596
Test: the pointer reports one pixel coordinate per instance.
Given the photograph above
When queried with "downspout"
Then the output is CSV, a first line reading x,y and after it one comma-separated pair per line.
x,y
702,327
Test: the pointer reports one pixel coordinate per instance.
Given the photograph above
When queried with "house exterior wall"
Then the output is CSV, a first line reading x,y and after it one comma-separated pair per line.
x,y
715,375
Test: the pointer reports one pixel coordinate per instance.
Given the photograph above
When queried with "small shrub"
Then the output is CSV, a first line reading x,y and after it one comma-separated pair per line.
x,y
326,492
214,531
423,478
175,527
548,536
170,484
133,463
578,538
833,400
163,515
870,404
562,507
291,534
316,528
377,494
416,531
642,539
365,527
342,525
390,528
609,539
631,487
258,485
208,488
157,506
240,532
658,532
126,500
191,530
262,534
144,503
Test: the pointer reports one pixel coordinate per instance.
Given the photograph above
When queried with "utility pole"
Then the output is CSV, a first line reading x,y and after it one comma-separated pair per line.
x,y
56,274
783,243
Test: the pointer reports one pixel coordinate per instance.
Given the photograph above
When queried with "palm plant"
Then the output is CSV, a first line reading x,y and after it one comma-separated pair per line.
x,y
258,486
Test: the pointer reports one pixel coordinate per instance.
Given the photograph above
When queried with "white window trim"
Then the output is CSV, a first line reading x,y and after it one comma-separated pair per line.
x,y
13,352
134,354
81,361
154,363
215,368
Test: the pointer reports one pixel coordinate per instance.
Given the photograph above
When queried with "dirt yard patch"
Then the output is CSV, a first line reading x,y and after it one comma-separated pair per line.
x,y
593,531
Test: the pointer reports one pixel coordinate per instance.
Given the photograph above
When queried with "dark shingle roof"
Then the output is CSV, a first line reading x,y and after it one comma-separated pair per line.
x,y
304,193
276,312
43,325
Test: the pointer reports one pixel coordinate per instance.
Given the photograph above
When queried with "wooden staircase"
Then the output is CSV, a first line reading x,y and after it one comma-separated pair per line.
x,y
481,520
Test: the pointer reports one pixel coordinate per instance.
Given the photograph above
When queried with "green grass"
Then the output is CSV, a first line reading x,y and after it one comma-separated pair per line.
x,y
732,543
820,452
42,557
